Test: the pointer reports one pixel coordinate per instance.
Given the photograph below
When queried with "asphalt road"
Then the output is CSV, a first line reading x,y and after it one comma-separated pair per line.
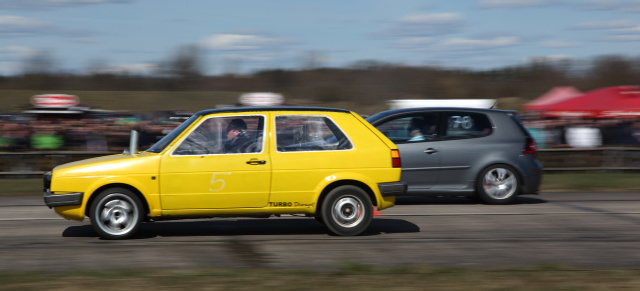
x,y
592,230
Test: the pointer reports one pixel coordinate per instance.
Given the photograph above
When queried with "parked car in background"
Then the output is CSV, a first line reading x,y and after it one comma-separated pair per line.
x,y
463,152
325,163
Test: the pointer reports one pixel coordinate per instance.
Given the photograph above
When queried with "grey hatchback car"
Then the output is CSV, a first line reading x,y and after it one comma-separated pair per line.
x,y
485,153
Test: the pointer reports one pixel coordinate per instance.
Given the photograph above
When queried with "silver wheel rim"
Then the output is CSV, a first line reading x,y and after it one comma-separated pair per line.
x,y
499,183
116,214
348,211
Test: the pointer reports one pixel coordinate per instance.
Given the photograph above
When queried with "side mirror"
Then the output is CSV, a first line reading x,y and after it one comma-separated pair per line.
x,y
133,144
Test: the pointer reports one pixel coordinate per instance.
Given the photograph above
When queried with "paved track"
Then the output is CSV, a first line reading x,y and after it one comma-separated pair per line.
x,y
593,230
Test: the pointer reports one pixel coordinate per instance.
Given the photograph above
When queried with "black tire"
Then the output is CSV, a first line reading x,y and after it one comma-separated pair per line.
x,y
116,213
347,210
498,185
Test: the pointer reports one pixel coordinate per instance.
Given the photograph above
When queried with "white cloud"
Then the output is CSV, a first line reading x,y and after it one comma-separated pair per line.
x,y
607,24
489,4
240,42
425,24
414,42
622,37
432,19
44,4
616,30
628,30
467,44
18,25
602,5
632,6
16,52
558,44
549,58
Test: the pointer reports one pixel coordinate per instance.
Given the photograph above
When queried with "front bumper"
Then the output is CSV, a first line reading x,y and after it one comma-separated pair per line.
x,y
55,200
392,189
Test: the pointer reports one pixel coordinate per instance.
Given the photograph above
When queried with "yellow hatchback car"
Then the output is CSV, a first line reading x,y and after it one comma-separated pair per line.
x,y
255,162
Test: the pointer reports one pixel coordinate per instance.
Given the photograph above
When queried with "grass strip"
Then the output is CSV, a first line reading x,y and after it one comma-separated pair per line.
x,y
349,277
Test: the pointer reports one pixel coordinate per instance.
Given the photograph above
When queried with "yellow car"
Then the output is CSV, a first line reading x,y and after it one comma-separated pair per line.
x,y
256,162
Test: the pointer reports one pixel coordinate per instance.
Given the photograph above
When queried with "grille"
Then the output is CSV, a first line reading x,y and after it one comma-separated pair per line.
x,y
46,180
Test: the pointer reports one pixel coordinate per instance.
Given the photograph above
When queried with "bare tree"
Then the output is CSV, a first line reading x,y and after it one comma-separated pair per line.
x,y
613,70
185,67
41,62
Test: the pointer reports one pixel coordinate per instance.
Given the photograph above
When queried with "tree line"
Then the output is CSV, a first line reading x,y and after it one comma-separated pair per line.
x,y
364,82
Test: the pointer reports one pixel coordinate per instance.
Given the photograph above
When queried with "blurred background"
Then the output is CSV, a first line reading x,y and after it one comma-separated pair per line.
x,y
146,65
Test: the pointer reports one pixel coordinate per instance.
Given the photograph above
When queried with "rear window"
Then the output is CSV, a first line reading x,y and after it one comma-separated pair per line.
x,y
466,125
295,133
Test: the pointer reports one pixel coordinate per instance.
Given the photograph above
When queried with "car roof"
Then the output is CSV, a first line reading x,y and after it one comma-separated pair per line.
x,y
270,108
421,109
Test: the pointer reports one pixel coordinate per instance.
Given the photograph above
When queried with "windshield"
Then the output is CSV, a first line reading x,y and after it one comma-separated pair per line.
x,y
165,141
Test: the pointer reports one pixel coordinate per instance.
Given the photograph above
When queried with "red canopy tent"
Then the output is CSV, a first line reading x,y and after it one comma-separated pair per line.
x,y
608,102
553,96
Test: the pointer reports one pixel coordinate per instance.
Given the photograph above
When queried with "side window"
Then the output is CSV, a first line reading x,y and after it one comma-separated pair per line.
x,y
224,135
412,128
466,125
309,133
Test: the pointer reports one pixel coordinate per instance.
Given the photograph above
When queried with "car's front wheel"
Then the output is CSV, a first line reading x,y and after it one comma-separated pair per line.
x,y
347,210
498,184
116,213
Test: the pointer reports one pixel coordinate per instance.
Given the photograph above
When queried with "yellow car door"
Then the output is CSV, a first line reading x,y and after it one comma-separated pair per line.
x,y
209,169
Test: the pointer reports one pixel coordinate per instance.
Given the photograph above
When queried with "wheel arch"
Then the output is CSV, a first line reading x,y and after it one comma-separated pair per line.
x,y
347,182
134,190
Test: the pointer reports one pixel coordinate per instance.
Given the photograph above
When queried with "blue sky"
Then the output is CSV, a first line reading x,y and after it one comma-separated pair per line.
x,y
241,36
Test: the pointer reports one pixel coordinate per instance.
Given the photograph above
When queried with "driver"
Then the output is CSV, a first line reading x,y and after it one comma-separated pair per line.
x,y
237,139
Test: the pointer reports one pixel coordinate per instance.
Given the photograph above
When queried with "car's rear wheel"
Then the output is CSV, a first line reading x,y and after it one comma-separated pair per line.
x,y
498,184
347,210
116,213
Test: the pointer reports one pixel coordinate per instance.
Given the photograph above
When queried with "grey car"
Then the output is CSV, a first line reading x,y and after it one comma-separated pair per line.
x,y
485,153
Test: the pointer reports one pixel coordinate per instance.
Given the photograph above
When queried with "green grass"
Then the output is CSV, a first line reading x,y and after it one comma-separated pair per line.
x,y
350,278
550,182
591,182
21,187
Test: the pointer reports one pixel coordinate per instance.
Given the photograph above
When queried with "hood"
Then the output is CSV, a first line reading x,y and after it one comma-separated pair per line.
x,y
121,164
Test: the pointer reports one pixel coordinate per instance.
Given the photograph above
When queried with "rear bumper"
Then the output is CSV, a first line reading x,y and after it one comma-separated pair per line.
x,y
392,189
532,180
56,200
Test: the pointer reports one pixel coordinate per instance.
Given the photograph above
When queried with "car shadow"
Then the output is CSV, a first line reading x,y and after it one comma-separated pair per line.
x,y
418,200
280,226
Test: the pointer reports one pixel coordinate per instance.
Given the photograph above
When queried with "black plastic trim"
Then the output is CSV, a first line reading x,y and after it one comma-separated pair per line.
x,y
393,189
68,199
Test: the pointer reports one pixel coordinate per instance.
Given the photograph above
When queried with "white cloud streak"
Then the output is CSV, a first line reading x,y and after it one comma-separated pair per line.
x,y
240,42
48,4
467,44
559,44
425,25
492,4
607,24
18,25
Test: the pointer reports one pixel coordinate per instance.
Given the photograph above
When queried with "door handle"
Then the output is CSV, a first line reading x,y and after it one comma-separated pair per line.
x,y
430,151
256,162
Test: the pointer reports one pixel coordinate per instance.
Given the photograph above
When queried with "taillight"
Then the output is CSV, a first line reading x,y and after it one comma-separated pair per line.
x,y
531,147
395,159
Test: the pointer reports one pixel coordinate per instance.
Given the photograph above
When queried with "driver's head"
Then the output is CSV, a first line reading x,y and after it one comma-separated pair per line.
x,y
235,128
